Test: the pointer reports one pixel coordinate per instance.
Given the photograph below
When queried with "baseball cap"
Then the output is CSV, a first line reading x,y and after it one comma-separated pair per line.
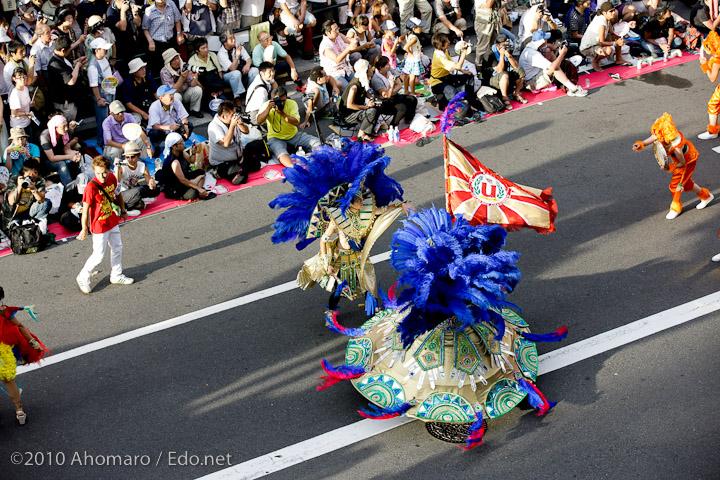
x,y
164,90
116,106
100,43
390,25
135,64
540,35
415,22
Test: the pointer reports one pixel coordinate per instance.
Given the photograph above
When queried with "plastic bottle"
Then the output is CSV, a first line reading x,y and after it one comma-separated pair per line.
x,y
300,152
587,83
665,57
158,165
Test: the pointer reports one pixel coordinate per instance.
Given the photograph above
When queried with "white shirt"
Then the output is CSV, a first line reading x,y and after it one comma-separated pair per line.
x,y
19,100
225,58
130,178
591,37
532,61
107,72
252,8
257,96
526,24
43,53
291,4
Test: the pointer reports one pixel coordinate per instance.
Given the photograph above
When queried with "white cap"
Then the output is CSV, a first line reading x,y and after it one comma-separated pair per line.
x,y
100,43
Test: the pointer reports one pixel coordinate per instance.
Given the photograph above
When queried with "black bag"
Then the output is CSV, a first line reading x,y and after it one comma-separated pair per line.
x,y
26,238
253,153
492,103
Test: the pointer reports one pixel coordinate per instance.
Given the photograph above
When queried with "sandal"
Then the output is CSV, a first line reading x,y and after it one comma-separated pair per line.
x,y
508,105
520,99
21,417
623,64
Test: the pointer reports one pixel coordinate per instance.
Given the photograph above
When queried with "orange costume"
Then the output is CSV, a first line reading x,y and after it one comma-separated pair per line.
x,y
672,140
711,45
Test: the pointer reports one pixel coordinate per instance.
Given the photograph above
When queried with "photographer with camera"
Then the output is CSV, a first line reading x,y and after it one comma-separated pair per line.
x,y
19,151
138,91
25,196
123,19
167,115
259,91
134,180
210,74
226,153
65,79
357,105
175,74
535,18
282,118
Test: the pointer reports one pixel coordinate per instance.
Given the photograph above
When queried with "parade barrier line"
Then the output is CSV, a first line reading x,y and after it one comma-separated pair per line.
x,y
595,79
557,359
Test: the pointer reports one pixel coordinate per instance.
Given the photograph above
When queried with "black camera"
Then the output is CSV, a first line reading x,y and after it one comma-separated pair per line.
x,y
242,115
193,68
278,103
542,10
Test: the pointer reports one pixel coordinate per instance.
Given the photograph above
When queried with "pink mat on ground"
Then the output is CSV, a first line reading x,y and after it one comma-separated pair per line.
x,y
162,203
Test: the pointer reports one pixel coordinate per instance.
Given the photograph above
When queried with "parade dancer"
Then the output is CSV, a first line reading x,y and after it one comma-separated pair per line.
x,y
711,67
344,199
682,158
17,346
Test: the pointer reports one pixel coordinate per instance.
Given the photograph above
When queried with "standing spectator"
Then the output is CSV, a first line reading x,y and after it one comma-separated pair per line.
x,y
230,14
507,75
26,29
167,114
19,151
51,8
198,19
542,69
488,22
294,15
181,182
96,29
65,79
599,41
367,48
60,150
42,50
334,50
134,181
357,105
124,21
210,75
25,196
138,91
185,83
282,120
19,102
268,51
659,32
235,63
413,65
65,28
162,29
113,135
226,153
102,82
259,91
251,11
16,58
407,11
449,18
100,218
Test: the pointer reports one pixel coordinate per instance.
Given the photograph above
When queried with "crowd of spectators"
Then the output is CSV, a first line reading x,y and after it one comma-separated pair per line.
x,y
146,70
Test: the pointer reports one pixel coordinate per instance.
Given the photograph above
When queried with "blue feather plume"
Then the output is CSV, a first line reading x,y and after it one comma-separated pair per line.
x,y
447,120
359,164
371,304
383,413
451,269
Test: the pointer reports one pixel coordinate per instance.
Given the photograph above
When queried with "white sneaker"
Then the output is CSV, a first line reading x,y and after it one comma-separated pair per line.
x,y
122,280
704,203
133,213
707,135
84,285
672,214
716,258
578,92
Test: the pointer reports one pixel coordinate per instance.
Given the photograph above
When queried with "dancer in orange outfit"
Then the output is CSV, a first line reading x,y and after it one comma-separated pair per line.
x,y
684,157
711,66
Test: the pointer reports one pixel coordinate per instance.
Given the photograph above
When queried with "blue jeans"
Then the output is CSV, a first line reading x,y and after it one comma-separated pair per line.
x,y
101,113
652,48
234,80
38,211
63,169
343,81
307,142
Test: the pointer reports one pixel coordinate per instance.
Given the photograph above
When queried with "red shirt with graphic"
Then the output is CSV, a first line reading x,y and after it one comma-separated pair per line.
x,y
100,212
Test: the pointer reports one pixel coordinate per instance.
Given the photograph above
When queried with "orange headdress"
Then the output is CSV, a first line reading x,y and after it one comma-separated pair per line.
x,y
664,129
712,44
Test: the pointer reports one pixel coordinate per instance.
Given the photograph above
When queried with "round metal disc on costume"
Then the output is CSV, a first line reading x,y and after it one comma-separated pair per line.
x,y
449,432
502,397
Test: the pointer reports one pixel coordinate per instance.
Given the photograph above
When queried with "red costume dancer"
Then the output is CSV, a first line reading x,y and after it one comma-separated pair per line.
x,y
683,157
711,66
17,345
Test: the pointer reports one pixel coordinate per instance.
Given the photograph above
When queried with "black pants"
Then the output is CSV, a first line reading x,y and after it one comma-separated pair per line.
x,y
450,85
365,118
181,192
400,107
133,196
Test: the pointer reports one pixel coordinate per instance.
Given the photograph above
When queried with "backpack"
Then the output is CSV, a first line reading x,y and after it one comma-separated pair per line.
x,y
492,103
26,237
692,38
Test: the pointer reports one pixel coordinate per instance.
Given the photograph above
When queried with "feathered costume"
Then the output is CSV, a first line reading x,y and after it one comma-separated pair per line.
x,y
14,347
448,349
325,185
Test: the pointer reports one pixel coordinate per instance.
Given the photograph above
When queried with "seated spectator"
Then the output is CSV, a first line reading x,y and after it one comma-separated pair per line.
x,y
113,136
19,151
259,90
123,20
60,150
507,76
380,16
162,29
134,181
268,51
20,103
25,196
167,115
138,91
103,80
445,79
43,50
702,20
67,27
210,75
576,23
317,97
181,183
542,67
335,49
625,11
96,30
388,87
176,76
65,79
357,105
235,64
226,153
296,18
282,120
449,18
599,40
366,48
659,32
198,19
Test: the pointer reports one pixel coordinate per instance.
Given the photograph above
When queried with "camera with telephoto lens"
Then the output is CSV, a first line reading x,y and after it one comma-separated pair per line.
x,y
25,183
541,8
193,68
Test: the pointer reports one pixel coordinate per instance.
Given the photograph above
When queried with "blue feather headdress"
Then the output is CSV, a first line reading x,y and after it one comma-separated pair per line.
x,y
358,166
447,120
451,270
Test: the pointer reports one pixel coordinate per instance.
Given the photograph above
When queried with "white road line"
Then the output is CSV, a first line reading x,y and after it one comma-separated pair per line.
x,y
356,432
173,322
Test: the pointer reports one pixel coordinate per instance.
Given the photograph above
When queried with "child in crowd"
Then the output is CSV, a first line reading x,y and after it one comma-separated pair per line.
x,y
363,32
317,97
101,216
412,65
390,44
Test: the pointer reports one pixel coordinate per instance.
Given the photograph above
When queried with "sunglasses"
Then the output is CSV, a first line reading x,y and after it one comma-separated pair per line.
x,y
131,155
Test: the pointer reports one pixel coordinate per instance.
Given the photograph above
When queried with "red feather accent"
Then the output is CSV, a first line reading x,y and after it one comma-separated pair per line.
x,y
338,374
392,292
10,335
477,431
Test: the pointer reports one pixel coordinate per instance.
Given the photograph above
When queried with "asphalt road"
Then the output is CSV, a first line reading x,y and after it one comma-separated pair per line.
x,y
241,382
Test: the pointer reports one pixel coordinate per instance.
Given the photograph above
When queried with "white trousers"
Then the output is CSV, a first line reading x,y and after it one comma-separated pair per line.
x,y
100,241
